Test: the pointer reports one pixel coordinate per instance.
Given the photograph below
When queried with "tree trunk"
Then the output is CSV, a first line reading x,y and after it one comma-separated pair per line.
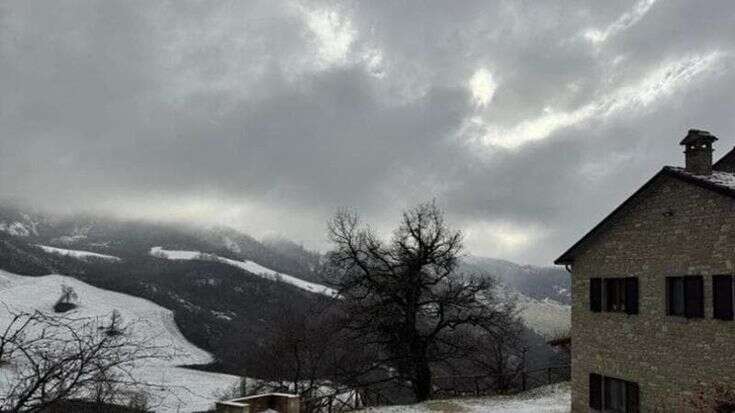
x,y
422,383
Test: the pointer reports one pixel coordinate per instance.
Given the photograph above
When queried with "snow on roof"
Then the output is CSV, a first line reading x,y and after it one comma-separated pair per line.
x,y
719,178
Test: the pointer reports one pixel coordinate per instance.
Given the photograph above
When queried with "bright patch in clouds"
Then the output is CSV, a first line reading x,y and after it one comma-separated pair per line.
x,y
657,84
333,34
623,22
483,86
499,238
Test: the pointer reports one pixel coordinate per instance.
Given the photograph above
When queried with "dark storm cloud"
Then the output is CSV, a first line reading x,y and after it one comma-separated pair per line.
x,y
526,121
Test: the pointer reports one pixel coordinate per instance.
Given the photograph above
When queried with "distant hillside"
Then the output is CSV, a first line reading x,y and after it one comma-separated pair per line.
x,y
223,308
229,288
536,282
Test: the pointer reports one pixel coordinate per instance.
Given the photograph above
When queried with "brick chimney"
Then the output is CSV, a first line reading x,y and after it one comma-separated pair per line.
x,y
698,151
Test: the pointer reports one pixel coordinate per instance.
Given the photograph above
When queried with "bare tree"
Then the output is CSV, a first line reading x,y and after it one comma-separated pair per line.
x,y
305,352
499,351
405,296
51,358
67,301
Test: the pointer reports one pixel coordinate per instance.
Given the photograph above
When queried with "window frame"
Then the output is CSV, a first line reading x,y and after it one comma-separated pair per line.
x,y
690,309
607,384
623,291
672,308
615,295
600,393
729,310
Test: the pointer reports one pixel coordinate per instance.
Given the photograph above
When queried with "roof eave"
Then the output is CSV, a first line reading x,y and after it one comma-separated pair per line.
x,y
568,257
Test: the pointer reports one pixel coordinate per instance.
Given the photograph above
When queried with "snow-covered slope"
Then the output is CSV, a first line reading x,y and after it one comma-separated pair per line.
x,y
550,399
248,266
546,317
82,255
181,390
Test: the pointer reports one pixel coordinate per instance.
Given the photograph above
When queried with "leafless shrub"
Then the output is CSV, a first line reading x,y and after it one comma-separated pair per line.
x,y
67,301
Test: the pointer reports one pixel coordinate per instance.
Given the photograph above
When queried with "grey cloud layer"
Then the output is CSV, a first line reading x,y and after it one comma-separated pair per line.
x,y
294,109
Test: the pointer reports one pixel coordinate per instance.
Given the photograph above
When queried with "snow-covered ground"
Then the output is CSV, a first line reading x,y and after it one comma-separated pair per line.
x,y
82,255
178,389
249,266
550,399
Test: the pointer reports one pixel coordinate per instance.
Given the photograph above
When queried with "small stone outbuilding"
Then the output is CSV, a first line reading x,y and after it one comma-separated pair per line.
x,y
268,402
652,312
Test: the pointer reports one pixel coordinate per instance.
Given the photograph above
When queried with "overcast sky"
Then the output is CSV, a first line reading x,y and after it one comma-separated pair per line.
x,y
527,121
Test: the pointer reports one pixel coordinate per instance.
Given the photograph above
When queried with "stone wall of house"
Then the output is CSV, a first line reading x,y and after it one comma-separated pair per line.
x,y
674,228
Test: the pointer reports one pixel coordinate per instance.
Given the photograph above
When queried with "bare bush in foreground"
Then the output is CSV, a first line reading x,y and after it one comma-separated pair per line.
x,y
47,359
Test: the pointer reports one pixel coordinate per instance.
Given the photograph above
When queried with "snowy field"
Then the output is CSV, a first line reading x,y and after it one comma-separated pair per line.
x,y
552,399
176,389
82,255
248,266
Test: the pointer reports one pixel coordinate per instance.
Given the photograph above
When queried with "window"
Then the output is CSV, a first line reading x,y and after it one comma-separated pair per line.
x,y
685,296
618,294
615,290
722,297
677,298
612,395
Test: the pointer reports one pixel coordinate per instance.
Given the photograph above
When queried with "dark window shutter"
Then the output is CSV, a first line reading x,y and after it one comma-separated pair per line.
x,y
669,288
694,296
631,295
596,294
595,391
722,297
631,397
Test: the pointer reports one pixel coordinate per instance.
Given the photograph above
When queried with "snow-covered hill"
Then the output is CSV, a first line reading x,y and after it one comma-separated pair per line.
x,y
180,389
549,399
248,266
546,317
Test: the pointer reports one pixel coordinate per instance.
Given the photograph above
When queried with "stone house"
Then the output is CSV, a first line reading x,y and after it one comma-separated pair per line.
x,y
652,315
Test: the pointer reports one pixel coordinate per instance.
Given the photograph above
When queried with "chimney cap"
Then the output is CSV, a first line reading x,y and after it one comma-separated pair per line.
x,y
698,136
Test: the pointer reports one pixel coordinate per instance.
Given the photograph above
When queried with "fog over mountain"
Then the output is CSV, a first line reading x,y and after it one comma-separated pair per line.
x,y
267,116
